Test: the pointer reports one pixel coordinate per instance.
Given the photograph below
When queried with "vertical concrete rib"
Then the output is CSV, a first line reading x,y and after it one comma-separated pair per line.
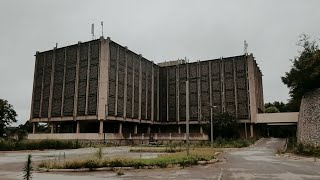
x,y
235,87
158,94
177,92
152,92
51,83
133,87
146,88
88,76
140,85
167,86
222,86
42,85
125,83
199,91
64,79
34,83
252,89
103,79
117,82
76,86
107,54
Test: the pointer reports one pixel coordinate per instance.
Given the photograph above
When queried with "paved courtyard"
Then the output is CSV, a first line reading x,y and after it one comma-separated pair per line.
x,y
255,162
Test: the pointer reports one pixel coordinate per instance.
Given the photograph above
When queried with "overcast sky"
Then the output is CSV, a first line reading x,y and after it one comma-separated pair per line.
x,y
159,30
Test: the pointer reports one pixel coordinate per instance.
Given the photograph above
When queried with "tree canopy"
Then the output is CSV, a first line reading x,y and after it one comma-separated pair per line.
x,y
304,75
7,115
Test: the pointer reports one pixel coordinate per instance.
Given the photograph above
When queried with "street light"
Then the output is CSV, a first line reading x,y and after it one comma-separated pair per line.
x,y
211,123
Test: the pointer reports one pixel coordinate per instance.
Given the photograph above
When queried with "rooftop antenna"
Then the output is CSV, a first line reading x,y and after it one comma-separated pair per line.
x,y
245,47
102,28
92,31
56,45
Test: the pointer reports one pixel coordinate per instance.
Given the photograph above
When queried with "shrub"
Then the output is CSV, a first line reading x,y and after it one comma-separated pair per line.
x,y
91,163
37,145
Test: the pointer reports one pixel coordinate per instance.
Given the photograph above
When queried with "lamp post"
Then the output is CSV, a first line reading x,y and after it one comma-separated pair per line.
x,y
211,123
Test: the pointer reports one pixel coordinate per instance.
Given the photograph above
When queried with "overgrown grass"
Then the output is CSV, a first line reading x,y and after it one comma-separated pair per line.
x,y
163,161
38,145
302,149
227,143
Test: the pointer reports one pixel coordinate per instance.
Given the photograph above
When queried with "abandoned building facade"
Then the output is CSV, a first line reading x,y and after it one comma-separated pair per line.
x,y
102,87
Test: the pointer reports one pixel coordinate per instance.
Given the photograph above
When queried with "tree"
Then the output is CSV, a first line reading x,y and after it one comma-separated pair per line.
x,y
304,75
272,109
7,115
224,125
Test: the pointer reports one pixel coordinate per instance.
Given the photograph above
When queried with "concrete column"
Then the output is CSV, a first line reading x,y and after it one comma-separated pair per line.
x,y
78,127
179,129
64,80
88,80
159,130
149,129
101,127
52,128
245,130
120,128
103,79
251,130
201,130
117,82
33,128
136,129
125,84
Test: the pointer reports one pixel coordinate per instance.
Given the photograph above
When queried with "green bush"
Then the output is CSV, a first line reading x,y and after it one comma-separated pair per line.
x,y
92,163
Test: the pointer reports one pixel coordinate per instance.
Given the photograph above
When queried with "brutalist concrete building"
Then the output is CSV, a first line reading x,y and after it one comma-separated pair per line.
x,y
99,88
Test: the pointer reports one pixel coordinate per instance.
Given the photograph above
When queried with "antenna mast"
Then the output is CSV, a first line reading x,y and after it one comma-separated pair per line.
x,y
92,31
102,28
245,47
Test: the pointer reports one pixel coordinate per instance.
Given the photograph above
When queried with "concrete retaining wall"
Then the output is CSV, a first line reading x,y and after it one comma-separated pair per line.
x,y
309,119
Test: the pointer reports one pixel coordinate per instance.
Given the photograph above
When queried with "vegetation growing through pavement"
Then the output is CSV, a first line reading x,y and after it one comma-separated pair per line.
x,y
302,149
163,161
38,145
27,170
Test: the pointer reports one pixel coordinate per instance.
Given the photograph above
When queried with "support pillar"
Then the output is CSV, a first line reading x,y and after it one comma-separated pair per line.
x,y
159,130
101,127
251,130
136,129
78,127
149,129
33,128
179,129
52,128
120,128
201,130
245,130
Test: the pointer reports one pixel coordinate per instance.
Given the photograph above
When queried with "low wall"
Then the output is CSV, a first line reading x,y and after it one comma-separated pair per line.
x,y
308,131
115,136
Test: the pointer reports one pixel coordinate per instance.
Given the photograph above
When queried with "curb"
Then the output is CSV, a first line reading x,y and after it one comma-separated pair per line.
x,y
212,161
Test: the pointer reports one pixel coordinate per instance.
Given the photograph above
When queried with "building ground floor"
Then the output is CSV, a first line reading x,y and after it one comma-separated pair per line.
x,y
122,130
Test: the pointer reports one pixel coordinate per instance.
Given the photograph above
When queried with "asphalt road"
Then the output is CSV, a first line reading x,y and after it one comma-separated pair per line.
x,y
255,162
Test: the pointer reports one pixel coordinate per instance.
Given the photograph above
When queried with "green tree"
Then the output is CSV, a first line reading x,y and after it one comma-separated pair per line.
x,y
272,109
7,115
304,75
224,125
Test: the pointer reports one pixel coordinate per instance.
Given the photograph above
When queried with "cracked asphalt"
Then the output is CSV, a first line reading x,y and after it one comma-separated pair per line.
x,y
255,162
